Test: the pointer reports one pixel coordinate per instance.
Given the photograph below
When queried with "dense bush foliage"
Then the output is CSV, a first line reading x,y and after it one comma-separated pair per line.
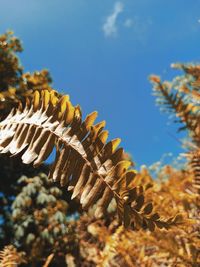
x,y
144,221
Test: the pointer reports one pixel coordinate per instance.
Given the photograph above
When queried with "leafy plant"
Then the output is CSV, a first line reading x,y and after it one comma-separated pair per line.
x,y
10,257
36,217
39,216
93,170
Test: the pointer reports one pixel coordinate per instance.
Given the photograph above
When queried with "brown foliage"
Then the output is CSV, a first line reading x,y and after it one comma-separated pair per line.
x,y
10,257
93,170
99,174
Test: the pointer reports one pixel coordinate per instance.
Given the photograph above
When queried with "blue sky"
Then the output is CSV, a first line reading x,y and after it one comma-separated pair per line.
x,y
101,53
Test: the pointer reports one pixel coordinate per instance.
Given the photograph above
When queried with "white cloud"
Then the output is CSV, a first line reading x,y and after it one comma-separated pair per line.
x,y
110,26
128,23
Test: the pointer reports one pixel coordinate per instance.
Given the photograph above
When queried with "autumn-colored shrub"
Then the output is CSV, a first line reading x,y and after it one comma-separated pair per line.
x,y
127,218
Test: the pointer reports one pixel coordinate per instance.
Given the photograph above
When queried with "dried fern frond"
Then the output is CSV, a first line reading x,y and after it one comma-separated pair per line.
x,y
9,257
188,68
94,170
186,111
194,157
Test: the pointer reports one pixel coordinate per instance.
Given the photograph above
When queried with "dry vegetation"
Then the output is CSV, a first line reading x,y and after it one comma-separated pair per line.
x,y
126,218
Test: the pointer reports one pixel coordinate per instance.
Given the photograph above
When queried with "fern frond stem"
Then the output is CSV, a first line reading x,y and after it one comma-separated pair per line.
x,y
60,138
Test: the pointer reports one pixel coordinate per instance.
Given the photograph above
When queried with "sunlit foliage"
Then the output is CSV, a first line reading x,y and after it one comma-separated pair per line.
x,y
128,217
